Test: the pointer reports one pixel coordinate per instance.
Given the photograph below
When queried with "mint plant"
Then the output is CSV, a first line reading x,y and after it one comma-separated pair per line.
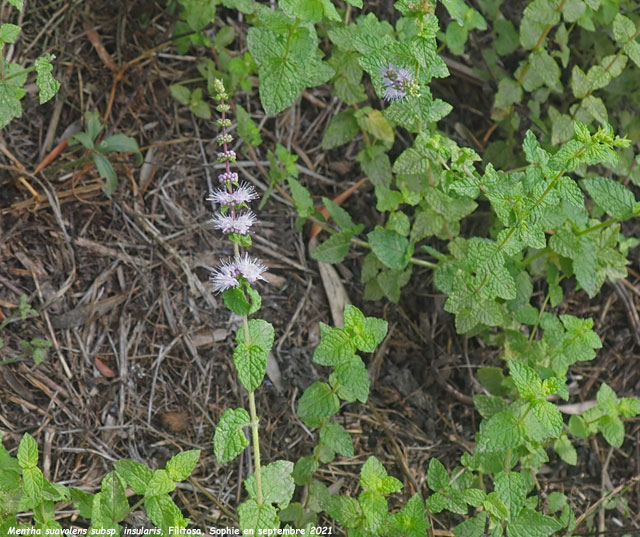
x,y
36,347
13,75
98,150
23,488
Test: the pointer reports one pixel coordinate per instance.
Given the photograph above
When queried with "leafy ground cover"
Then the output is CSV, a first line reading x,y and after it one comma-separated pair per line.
x,y
135,370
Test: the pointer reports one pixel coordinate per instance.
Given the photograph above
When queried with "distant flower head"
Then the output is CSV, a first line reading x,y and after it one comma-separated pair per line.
x,y
398,83
234,223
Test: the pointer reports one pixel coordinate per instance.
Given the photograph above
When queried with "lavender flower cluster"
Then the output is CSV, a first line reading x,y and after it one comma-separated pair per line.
x,y
231,198
398,83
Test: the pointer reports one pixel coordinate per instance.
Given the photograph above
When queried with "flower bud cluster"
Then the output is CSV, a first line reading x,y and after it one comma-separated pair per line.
x,y
230,198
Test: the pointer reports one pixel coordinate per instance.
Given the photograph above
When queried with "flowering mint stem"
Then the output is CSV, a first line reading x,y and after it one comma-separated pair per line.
x,y
243,270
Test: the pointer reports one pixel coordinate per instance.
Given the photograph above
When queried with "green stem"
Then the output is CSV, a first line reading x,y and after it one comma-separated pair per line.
x,y
535,326
255,422
19,73
256,439
133,507
535,256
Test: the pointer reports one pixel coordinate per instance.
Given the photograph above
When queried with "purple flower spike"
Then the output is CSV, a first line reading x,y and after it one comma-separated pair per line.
x,y
398,83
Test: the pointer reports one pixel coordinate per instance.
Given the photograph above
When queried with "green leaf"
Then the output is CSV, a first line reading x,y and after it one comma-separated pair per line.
x,y
334,249
27,452
345,510
247,129
616,199
33,483
318,402
350,380
578,427
17,4
390,247
224,36
335,347
573,10
180,93
527,381
507,38
377,125
106,171
607,399
277,484
119,143
509,92
236,300
301,197
623,29
229,439
376,165
180,466
342,129
596,108
437,475
563,447
532,524
303,470
473,527
47,85
9,33
164,514
135,475
250,355
375,509
501,431
632,48
546,68
253,517
281,83
615,64
368,332
337,438
612,429
580,84
496,507
512,490
629,407
488,405
160,483
82,501
114,504
543,11
411,520
341,217
11,91
549,416
493,380
347,84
